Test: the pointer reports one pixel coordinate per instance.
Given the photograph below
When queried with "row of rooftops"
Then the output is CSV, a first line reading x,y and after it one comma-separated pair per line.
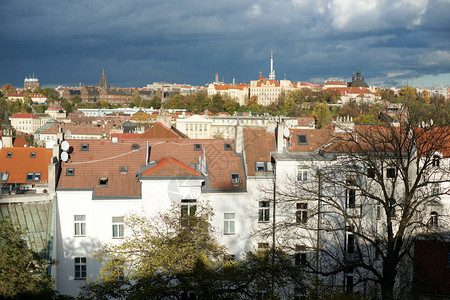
x,y
113,167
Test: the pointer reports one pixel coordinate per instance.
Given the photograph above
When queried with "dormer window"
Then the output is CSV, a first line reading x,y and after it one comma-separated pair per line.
x,y
33,176
103,181
235,180
302,140
84,147
260,166
33,155
9,155
227,147
198,147
435,161
123,169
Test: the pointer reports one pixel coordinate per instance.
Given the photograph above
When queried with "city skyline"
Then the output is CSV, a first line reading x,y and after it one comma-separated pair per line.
x,y
394,44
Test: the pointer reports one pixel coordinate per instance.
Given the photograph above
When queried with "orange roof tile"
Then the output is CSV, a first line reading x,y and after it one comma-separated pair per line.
x,y
169,166
24,116
20,163
103,159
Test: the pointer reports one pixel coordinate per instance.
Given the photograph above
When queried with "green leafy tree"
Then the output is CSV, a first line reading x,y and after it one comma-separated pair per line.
x,y
137,100
8,88
323,115
22,273
230,106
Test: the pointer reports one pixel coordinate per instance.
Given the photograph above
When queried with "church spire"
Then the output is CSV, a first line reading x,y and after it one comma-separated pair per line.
x,y
103,84
272,71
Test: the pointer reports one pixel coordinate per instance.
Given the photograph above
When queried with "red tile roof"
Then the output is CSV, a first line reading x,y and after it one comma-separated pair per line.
x,y
221,163
258,143
103,160
158,130
24,116
20,163
169,166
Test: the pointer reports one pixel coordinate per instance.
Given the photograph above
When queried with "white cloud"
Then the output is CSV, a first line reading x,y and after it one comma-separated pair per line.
x,y
255,11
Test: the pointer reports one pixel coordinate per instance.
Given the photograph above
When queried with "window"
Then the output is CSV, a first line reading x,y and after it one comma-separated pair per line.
x,y
33,155
84,147
123,169
118,270
301,215
228,223
435,161
263,246
302,173
390,173
197,147
9,155
434,219
135,146
227,147
103,181
349,283
80,267
235,180
188,207
80,225
260,166
350,243
371,173
435,189
351,197
302,140
378,212
70,172
118,227
33,176
264,211
4,177
300,255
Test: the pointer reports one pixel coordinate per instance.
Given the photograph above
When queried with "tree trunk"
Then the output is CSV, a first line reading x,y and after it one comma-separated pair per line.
x,y
388,281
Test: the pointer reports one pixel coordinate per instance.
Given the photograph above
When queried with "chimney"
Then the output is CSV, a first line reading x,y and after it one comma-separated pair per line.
x,y
217,78
239,139
279,136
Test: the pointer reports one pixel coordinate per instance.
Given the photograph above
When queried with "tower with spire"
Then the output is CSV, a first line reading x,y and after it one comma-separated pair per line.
x,y
103,84
272,71
7,130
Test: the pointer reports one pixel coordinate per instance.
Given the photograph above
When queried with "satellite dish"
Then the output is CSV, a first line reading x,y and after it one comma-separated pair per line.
x,y
64,156
65,145
286,132
68,134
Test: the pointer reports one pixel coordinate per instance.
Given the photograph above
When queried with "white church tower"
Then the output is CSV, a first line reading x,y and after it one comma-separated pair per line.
x,y
272,71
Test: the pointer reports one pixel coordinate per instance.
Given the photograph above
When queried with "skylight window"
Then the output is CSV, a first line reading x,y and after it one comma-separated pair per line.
x,y
235,179
103,181
302,140
9,155
123,169
197,147
227,147
84,147
135,147
70,172
33,154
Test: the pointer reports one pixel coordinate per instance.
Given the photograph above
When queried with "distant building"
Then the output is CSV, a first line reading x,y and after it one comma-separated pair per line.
x,y
358,81
31,83
27,123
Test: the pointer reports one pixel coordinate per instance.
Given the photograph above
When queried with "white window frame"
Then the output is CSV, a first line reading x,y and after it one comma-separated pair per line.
x,y
118,227
302,173
301,213
229,223
79,225
264,212
80,268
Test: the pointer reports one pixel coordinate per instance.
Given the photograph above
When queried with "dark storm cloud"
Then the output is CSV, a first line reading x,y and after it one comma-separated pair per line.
x,y
138,42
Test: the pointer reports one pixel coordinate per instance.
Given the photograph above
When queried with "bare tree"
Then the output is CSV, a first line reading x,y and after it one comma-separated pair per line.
x,y
360,201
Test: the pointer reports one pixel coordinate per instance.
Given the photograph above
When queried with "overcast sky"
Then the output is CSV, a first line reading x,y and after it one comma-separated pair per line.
x,y
394,42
